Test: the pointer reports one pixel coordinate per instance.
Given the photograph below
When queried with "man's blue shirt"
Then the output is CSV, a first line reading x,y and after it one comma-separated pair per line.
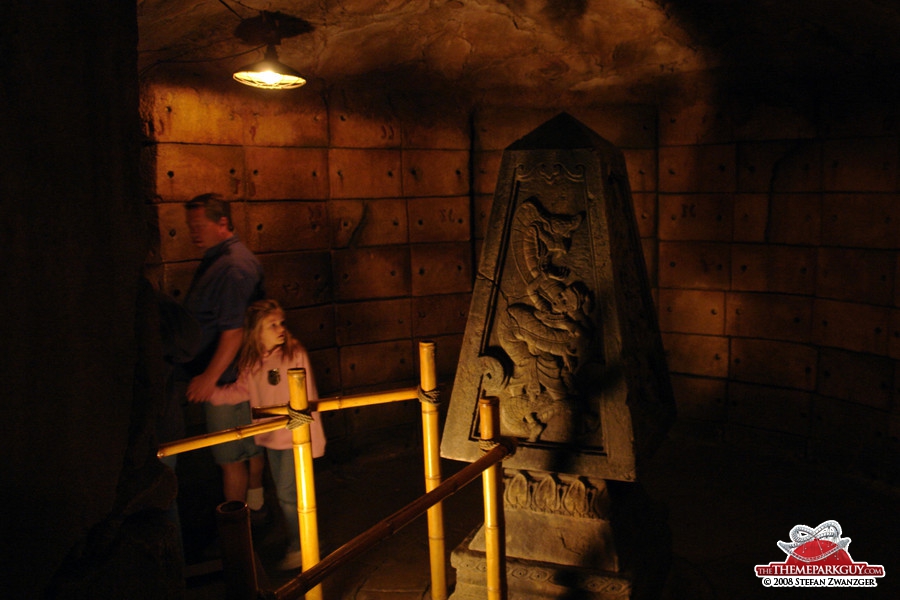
x,y
227,281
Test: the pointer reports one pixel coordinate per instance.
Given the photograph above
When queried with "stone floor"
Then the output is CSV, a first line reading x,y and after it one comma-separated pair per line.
x,y
726,511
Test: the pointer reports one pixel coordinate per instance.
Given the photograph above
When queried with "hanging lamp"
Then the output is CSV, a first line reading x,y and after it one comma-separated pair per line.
x,y
270,73
268,29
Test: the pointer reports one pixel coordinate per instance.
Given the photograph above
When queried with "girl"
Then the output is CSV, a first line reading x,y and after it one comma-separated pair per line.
x,y
267,352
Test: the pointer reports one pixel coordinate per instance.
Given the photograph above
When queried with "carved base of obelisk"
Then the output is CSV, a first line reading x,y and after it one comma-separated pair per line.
x,y
569,538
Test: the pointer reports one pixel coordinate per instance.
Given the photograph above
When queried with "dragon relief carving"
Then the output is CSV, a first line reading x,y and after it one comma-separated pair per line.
x,y
544,329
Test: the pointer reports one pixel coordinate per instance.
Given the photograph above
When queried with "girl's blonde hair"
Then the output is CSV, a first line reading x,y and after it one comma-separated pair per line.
x,y
251,349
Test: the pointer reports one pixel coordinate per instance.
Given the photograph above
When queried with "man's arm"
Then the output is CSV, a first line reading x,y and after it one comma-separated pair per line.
x,y
202,386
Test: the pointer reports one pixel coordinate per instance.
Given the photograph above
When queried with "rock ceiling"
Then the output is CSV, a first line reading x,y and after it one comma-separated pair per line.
x,y
544,50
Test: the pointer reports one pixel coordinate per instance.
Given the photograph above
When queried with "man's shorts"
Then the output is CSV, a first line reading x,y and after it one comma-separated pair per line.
x,y
228,417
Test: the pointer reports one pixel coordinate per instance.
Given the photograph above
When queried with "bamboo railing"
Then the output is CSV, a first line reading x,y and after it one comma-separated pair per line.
x,y
314,570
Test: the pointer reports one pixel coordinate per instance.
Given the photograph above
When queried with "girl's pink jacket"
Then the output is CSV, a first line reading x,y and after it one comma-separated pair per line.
x,y
255,384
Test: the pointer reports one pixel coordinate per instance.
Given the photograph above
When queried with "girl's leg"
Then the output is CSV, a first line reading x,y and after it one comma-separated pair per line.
x,y
255,492
281,462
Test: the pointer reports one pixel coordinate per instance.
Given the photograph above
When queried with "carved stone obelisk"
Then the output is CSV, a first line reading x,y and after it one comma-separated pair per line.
x,y
562,330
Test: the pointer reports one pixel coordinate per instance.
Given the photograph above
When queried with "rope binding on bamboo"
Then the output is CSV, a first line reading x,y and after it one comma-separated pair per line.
x,y
432,396
507,442
298,418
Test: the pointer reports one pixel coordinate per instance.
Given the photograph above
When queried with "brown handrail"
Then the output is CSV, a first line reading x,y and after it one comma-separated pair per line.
x,y
389,526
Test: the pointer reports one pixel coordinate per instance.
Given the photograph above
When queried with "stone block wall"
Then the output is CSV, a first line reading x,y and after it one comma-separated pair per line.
x,y
769,233
360,212
778,265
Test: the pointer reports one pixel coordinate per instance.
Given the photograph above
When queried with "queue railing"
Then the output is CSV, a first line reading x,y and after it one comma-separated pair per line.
x,y
244,571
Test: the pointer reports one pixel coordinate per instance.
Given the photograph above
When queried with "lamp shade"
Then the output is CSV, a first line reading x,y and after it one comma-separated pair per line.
x,y
270,73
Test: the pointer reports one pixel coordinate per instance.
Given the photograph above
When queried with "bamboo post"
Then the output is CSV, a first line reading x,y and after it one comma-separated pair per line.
x,y
494,534
238,561
306,488
431,449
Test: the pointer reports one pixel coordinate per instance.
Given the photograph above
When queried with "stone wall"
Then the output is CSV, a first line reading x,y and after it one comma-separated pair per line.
x,y
363,211
768,229
358,209
778,238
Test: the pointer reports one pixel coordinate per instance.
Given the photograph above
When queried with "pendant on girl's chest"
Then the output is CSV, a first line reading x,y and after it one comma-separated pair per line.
x,y
274,377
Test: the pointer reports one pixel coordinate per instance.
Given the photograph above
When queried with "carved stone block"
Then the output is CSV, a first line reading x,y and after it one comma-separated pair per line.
x,y
175,278
285,226
861,220
326,366
770,316
694,265
440,315
894,335
871,271
700,217
371,273
779,364
356,121
642,169
439,219
787,411
359,223
384,361
286,173
705,355
486,166
446,126
868,165
445,359
182,171
756,164
562,327
851,326
174,237
645,213
794,219
435,172
700,398
751,219
313,326
298,279
171,113
373,321
369,173
444,268
692,311
698,168
758,268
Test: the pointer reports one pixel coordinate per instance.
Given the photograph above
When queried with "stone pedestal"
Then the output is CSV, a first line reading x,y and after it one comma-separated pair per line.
x,y
562,331
572,538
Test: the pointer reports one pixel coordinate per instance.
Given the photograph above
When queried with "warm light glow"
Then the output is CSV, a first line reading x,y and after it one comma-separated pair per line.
x,y
269,80
270,74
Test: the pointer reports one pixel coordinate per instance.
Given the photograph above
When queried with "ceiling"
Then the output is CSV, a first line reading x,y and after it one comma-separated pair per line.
x,y
548,51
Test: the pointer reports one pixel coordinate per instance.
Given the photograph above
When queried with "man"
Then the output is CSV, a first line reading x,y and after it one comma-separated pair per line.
x,y
228,279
